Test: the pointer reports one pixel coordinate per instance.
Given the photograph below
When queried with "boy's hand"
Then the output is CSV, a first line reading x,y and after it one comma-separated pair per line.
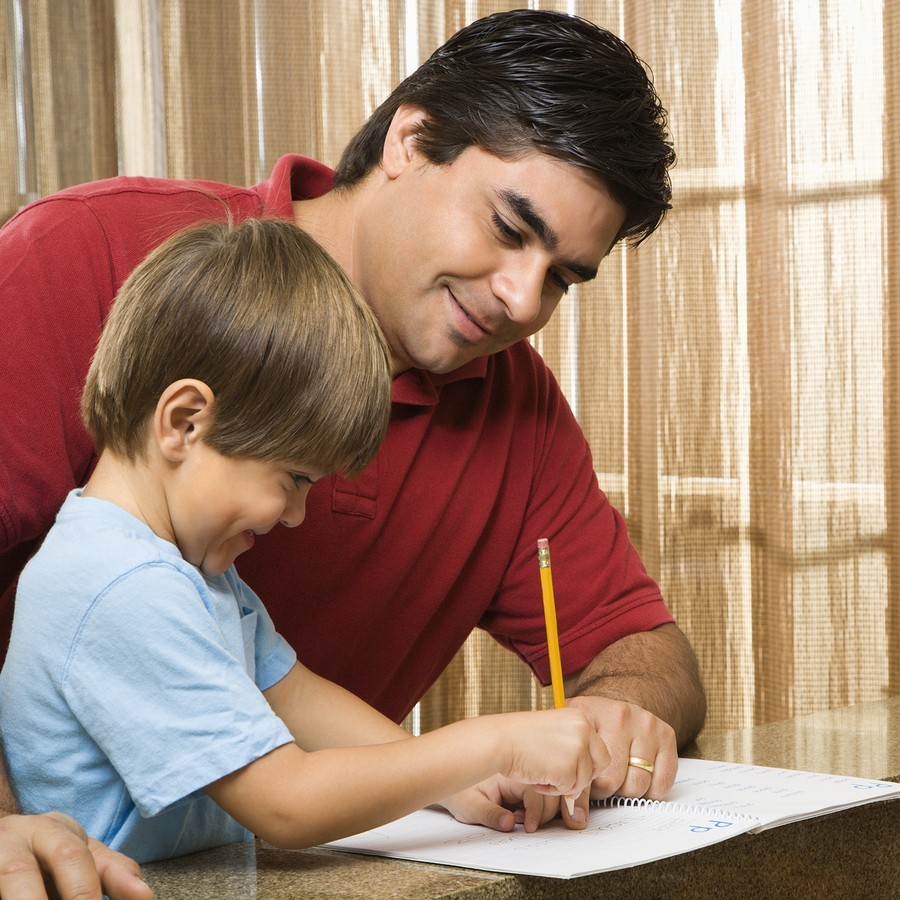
x,y
556,751
75,865
501,804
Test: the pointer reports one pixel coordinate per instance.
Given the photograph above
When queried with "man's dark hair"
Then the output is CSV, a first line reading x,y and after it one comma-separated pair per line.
x,y
517,81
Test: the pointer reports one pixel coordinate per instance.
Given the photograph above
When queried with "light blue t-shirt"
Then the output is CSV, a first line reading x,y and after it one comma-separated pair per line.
x,y
132,682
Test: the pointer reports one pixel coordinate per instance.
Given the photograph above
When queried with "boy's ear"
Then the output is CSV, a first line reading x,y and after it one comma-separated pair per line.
x,y
183,414
400,143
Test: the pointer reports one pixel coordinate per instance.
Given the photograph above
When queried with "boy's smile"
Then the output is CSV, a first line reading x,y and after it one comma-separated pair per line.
x,y
223,503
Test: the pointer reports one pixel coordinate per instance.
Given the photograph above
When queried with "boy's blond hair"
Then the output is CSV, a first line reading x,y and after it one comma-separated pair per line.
x,y
260,313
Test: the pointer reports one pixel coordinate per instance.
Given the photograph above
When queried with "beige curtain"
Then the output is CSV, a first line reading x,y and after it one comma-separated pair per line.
x,y
736,375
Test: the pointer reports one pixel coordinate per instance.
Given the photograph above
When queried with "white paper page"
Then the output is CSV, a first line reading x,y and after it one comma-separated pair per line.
x,y
613,839
774,796
710,802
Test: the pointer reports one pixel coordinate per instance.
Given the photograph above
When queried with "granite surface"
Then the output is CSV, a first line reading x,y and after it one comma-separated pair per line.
x,y
850,854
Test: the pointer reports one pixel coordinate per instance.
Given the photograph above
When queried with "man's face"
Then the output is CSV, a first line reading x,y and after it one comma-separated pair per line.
x,y
462,261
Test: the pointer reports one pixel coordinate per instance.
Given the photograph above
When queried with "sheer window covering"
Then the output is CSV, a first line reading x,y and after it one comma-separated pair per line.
x,y
735,375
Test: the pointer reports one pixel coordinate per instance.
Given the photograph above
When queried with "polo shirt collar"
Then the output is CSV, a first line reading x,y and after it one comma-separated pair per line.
x,y
416,387
293,177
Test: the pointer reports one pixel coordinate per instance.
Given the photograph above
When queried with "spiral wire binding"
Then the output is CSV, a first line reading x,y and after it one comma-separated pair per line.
x,y
678,809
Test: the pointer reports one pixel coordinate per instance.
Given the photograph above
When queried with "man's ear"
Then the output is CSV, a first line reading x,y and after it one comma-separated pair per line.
x,y
183,414
400,143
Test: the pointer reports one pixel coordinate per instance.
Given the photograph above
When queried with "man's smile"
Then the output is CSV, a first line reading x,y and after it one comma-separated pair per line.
x,y
466,323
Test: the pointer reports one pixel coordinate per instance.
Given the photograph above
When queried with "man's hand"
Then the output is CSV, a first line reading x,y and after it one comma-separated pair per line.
x,y
645,697
53,849
629,731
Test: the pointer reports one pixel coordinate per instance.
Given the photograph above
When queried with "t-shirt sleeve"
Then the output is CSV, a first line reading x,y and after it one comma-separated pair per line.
x,y
602,589
273,655
156,686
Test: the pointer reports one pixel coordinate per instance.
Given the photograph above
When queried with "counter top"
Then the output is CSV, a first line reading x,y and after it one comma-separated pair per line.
x,y
853,853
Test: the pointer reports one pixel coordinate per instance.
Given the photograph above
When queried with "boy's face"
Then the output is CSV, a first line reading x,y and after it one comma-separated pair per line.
x,y
222,503
463,260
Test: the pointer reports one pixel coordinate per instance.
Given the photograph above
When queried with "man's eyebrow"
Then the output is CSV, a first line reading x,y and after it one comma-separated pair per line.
x,y
523,208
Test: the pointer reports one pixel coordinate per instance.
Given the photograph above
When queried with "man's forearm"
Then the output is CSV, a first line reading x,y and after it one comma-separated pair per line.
x,y
8,803
656,670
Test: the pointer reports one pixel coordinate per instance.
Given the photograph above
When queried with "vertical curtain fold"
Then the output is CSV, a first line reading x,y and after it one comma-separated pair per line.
x,y
12,131
59,63
770,350
891,144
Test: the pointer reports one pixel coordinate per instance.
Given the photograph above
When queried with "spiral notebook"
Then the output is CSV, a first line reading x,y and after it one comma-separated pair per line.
x,y
710,802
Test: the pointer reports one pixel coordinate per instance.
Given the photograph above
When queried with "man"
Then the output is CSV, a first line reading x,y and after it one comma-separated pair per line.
x,y
501,172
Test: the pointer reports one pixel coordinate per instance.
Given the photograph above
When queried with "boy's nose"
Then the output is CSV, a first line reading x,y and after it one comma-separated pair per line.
x,y
295,511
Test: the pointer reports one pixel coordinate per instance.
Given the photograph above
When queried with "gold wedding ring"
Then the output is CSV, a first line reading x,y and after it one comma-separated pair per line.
x,y
640,763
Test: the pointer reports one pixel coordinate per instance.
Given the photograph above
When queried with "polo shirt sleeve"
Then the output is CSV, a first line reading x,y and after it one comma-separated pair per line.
x,y
154,683
54,270
602,589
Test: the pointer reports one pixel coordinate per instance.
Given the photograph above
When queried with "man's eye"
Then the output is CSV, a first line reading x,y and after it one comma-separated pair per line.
x,y
506,230
561,281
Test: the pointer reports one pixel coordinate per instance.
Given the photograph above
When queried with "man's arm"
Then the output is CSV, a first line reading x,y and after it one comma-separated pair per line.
x,y
76,865
657,670
646,690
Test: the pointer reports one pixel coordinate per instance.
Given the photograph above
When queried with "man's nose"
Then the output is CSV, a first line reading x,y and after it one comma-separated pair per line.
x,y
520,288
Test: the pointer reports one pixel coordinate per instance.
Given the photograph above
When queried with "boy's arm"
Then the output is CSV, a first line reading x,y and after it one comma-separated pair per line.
x,y
307,702
55,843
294,798
320,714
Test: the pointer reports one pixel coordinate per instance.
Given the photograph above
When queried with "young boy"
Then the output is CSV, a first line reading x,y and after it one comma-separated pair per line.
x,y
158,705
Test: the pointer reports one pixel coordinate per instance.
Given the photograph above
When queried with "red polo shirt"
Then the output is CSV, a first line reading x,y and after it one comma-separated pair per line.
x,y
391,571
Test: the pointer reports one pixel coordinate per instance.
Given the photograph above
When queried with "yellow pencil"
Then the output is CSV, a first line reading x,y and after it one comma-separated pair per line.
x,y
556,675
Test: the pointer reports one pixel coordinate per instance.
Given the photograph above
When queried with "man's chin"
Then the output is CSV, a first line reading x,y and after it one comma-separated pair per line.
x,y
442,368
439,361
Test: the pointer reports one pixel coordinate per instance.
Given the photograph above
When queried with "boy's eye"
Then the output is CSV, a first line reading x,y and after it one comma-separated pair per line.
x,y
301,480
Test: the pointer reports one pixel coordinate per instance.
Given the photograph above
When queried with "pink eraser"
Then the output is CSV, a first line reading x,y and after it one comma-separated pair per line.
x,y
544,543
